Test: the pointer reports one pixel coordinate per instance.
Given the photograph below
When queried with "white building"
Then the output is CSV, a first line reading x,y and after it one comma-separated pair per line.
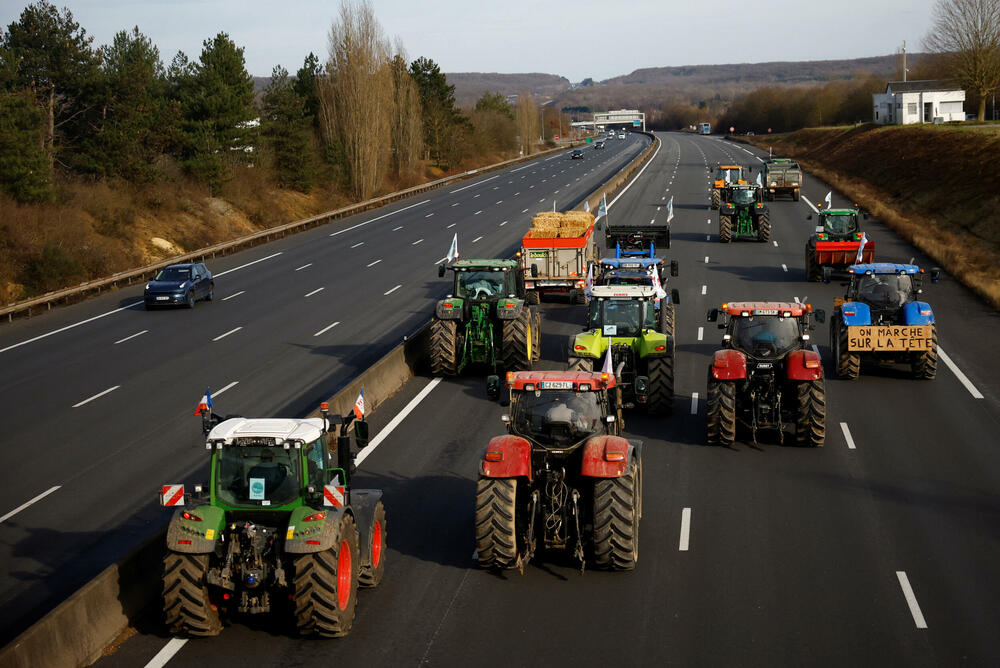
x,y
906,102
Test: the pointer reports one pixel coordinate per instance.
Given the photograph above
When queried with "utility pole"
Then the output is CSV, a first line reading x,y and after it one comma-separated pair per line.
x,y
904,61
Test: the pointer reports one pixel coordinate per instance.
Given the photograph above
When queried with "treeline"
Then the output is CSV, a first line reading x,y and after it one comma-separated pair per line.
x,y
70,110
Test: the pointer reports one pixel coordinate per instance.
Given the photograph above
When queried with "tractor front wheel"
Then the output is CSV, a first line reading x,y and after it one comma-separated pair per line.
x,y
325,585
517,342
810,413
371,573
924,364
496,522
813,271
848,363
716,198
725,229
444,352
721,408
580,364
666,319
186,603
616,520
661,385
764,227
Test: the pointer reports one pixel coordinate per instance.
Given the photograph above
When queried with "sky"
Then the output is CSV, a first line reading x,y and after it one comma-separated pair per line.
x,y
577,40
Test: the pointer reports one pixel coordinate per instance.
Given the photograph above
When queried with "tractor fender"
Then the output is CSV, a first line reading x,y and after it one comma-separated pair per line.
x,y
804,365
449,309
305,537
509,309
193,536
605,456
855,313
655,344
514,454
729,365
363,503
918,313
589,344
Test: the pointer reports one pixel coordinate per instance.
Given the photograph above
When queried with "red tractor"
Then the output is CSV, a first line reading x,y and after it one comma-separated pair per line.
x,y
765,377
563,478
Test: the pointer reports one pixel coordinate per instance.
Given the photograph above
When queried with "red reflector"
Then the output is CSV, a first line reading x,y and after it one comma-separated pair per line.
x,y
614,456
315,517
449,305
578,347
849,313
721,363
492,456
312,542
925,312
183,542
812,364
509,305
190,516
226,597
661,348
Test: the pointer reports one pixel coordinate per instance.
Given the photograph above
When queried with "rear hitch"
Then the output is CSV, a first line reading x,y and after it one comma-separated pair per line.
x,y
578,550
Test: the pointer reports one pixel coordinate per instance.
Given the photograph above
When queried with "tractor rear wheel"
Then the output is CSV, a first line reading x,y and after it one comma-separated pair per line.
x,y
764,227
532,297
580,364
848,363
666,319
924,364
536,329
813,271
716,198
371,573
444,351
795,195
661,384
496,522
616,520
721,408
725,229
186,603
810,413
325,585
517,342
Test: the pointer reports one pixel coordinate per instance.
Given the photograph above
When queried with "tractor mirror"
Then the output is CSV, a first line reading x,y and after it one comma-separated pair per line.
x,y
819,315
493,387
935,274
440,271
361,433
713,315
827,274
674,268
675,297
534,271
641,389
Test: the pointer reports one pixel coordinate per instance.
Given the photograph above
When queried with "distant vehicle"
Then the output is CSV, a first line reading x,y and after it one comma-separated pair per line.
x,y
599,144
180,284
577,153
621,135
705,129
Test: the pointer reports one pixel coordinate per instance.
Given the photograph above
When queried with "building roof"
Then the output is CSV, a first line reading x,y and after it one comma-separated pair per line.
x,y
921,86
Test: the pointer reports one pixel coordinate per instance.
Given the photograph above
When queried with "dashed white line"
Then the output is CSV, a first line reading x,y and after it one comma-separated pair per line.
x,y
28,503
303,266
694,403
97,396
235,294
222,336
847,436
316,291
417,242
701,333
384,215
976,394
477,212
706,259
451,226
775,243
326,329
396,229
372,264
360,243
475,196
242,266
503,223
911,600
389,292
476,239
132,336
685,540
525,211
429,215
75,324
456,203
500,202
784,267
704,289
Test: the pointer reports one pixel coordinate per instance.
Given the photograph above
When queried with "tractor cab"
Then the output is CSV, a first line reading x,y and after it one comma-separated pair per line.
x,y
838,225
765,330
745,195
728,174
622,310
883,285
485,280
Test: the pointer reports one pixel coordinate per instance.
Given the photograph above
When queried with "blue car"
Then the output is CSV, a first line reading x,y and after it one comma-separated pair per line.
x,y
180,285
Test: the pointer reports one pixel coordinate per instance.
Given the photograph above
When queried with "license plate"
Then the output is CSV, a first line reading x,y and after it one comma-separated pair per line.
x,y
764,365
162,299
557,385
765,311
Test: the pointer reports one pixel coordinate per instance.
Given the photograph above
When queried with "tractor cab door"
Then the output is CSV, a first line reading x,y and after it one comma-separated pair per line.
x,y
515,283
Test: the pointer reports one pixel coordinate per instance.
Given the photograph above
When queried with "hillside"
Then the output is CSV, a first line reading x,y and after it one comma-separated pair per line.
x,y
470,86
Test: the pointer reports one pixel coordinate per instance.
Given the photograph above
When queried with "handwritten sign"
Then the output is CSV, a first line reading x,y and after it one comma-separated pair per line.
x,y
897,338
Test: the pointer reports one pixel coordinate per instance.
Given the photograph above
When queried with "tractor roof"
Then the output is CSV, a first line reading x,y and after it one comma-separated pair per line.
x,y
774,160
742,186
744,309
720,166
483,264
277,429
623,291
631,262
838,212
884,268
516,380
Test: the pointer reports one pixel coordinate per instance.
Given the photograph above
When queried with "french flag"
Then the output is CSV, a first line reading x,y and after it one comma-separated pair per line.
x,y
205,405
359,405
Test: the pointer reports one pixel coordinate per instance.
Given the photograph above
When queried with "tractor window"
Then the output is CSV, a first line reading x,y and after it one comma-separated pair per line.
x,y
624,314
765,336
632,278
843,223
728,175
480,284
743,196
556,418
315,464
249,475
885,289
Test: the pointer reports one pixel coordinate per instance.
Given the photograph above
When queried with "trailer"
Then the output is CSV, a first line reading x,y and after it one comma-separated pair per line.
x,y
558,264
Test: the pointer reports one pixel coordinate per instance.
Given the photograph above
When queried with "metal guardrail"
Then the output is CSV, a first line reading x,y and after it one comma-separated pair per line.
x,y
141,273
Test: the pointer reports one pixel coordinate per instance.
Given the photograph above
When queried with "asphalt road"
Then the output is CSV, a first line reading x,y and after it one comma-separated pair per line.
x,y
98,397
879,549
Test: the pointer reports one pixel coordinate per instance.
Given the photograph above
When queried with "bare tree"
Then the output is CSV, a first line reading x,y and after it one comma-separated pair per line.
x,y
407,121
356,96
527,121
967,34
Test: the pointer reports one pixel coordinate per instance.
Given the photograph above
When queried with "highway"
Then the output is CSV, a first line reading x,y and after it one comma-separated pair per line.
x,y
98,397
880,548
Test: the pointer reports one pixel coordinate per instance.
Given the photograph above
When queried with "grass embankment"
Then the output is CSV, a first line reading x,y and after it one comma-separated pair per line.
x,y
938,187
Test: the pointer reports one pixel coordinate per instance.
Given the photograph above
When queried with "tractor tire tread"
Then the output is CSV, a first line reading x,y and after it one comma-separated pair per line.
x,y
186,603
495,520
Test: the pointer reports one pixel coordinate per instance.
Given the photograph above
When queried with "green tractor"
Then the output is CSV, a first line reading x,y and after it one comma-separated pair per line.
x,y
279,528
622,319
744,214
485,320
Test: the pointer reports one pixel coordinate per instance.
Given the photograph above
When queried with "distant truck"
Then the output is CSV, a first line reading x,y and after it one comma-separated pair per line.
x,y
705,129
555,255
782,176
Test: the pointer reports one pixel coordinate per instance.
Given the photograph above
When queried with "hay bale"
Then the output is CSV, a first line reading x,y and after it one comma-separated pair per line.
x,y
549,233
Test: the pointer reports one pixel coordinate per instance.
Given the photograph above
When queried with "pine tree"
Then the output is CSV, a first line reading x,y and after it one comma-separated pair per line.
x,y
286,129
305,86
24,164
442,121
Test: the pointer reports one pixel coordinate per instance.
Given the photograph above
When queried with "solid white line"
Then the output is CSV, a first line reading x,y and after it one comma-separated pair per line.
x,y
131,337
701,333
694,403
75,324
911,600
685,530
847,436
248,264
326,329
393,290
235,294
476,239
806,200
164,655
395,422
372,264
416,242
784,267
97,396
648,163
391,213
360,243
310,294
25,505
304,266
704,289
474,184
976,394
519,169
227,387
232,331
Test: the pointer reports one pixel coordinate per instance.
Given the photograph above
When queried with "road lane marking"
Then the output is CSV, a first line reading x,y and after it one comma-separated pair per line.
x,y
244,266
704,289
706,259
131,337
28,503
701,333
847,436
227,387
525,211
429,215
451,226
456,204
395,422
694,403
304,266
396,229
393,290
784,267
708,237
326,329
500,202
976,394
235,294
475,196
372,264
416,242
476,239
775,243
97,396
477,212
911,600
164,655
316,291
475,184
806,200
685,530
503,223
75,324
360,243
222,336
384,215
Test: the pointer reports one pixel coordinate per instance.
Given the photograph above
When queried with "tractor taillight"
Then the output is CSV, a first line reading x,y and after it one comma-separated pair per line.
x,y
315,517
614,456
493,456
812,364
721,363
190,516
183,542
509,305
312,542
850,313
510,378
449,305
809,308
660,349
579,347
605,377
926,311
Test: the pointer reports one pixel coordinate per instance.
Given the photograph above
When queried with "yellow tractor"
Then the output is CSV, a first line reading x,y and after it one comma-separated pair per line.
x,y
726,175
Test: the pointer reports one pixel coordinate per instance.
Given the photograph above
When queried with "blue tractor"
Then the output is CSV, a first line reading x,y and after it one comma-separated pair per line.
x,y
630,270
881,318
